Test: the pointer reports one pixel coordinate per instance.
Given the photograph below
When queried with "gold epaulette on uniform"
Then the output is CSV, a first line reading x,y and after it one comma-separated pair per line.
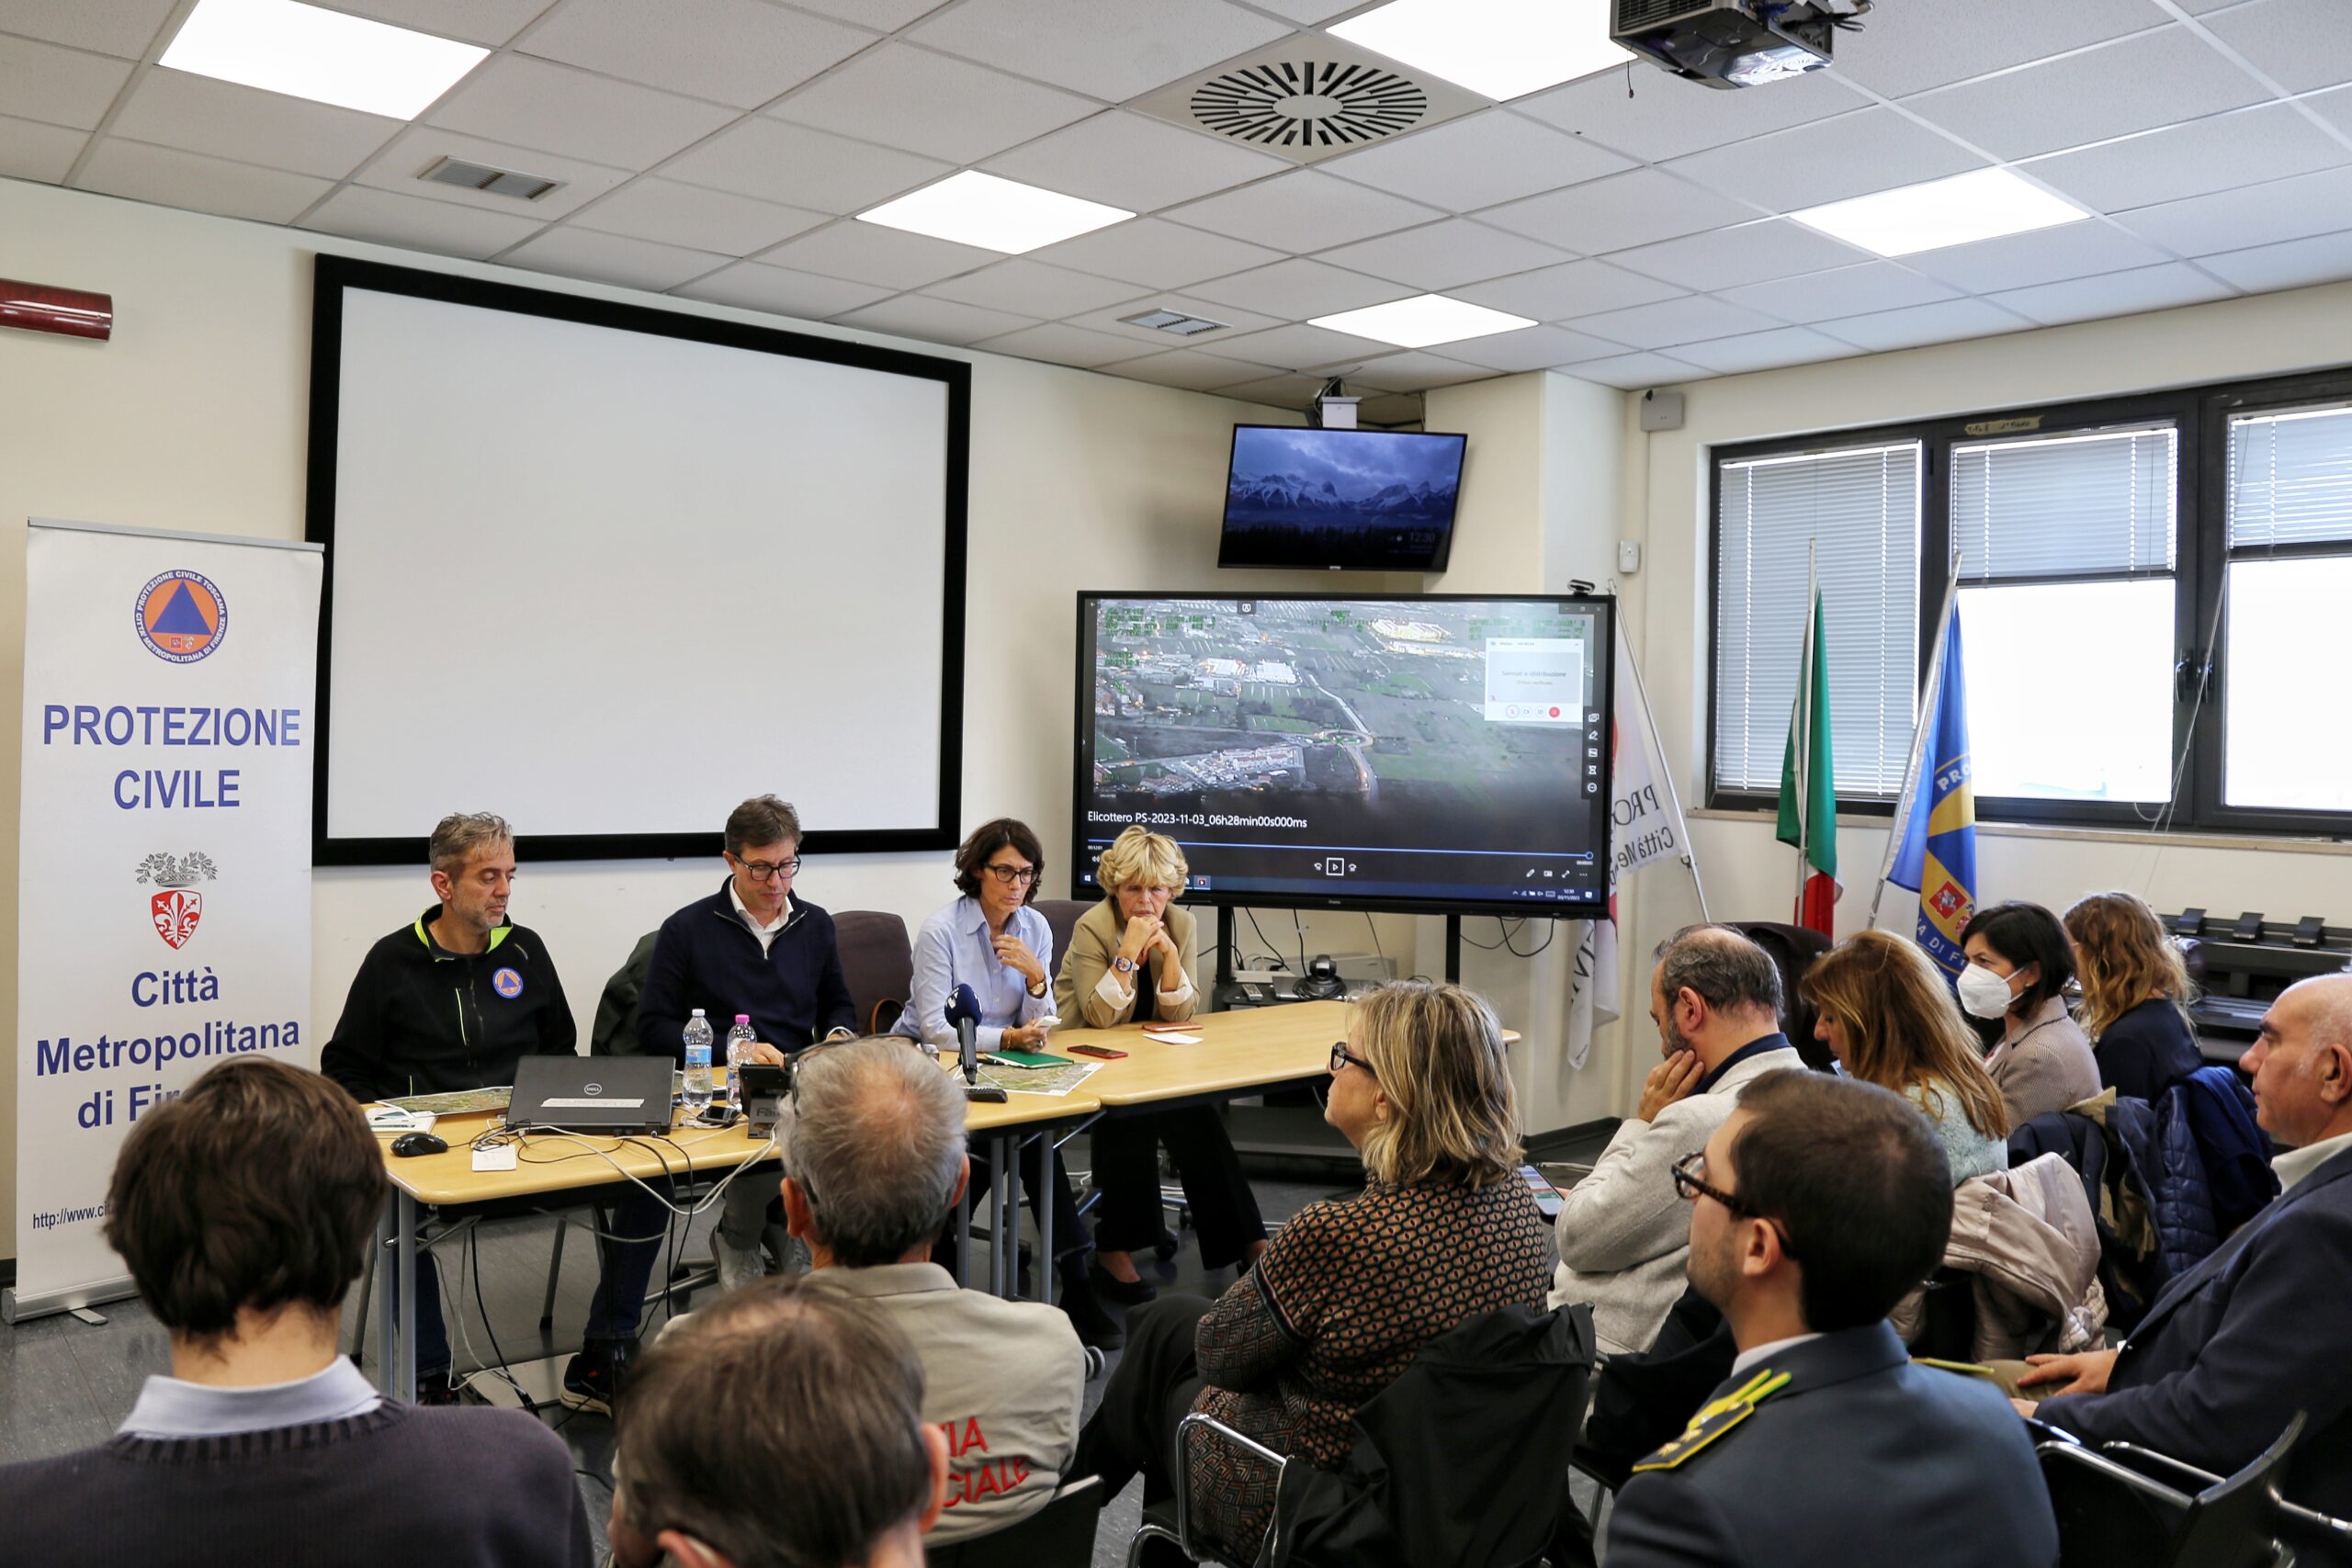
x,y
1966,1369
1716,1419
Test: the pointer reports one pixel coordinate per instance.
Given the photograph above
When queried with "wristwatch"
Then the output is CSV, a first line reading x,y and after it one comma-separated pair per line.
x,y
1124,965
1038,989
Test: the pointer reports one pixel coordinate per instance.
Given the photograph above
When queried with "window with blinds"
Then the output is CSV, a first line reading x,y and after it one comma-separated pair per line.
x,y
2289,578
1859,508
2067,545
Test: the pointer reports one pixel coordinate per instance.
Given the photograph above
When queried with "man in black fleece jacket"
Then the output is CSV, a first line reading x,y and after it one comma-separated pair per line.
x,y
243,1210
452,1001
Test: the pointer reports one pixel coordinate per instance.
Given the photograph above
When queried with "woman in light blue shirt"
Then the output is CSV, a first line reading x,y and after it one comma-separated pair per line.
x,y
991,940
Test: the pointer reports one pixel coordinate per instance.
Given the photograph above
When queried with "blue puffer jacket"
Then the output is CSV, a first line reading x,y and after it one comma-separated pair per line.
x,y
2236,1149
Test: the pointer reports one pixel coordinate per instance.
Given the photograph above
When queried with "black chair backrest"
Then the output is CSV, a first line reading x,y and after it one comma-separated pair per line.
x,y
1794,949
2232,1523
1059,1535
879,962
614,1033
1061,918
2121,1508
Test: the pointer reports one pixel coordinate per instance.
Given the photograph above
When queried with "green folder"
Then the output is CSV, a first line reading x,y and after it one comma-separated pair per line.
x,y
1031,1059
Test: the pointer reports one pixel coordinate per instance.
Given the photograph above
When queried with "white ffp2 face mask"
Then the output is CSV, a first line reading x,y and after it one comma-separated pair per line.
x,y
1983,993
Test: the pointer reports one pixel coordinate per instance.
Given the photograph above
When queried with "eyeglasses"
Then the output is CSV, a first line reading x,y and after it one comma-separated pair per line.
x,y
764,871
1343,1058
1014,875
1691,1186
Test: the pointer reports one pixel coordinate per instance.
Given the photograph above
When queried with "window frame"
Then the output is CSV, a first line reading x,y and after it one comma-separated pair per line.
x,y
2201,553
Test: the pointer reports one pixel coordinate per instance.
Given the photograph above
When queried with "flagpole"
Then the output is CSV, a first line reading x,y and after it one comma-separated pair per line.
x,y
1928,699
1804,720
1666,770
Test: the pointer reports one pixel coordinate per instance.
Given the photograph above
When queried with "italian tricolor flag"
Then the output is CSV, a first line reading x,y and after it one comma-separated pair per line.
x,y
1809,782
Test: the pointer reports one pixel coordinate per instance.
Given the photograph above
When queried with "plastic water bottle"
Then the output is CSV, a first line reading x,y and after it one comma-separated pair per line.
x,y
739,1044
698,1085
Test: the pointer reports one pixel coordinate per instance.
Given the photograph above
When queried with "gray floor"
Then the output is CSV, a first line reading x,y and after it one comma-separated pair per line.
x,y
65,1385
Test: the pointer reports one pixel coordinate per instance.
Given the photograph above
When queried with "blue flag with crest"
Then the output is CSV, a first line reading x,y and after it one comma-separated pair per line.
x,y
1937,856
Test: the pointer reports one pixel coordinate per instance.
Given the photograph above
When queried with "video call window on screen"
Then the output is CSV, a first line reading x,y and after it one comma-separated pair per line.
x,y
1443,753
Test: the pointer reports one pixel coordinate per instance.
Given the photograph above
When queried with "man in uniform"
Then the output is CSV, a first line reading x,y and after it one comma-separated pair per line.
x,y
1816,1207
750,948
452,1002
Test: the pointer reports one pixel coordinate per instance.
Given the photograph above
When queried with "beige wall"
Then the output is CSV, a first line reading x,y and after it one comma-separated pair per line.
x,y
1748,875
194,417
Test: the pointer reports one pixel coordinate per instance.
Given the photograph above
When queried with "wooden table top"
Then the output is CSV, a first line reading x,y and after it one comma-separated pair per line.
x,y
1248,1048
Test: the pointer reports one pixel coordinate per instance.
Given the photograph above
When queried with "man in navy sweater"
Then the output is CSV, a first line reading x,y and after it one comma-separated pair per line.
x,y
2235,1347
243,1210
754,949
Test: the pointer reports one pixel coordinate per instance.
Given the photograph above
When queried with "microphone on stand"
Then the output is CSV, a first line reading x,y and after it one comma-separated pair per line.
x,y
963,1014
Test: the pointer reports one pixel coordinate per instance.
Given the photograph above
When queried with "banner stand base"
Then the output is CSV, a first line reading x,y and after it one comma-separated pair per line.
x,y
16,1306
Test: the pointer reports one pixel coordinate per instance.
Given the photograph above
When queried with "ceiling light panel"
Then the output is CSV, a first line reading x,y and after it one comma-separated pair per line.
x,y
974,209
1421,321
328,57
1504,48
1982,205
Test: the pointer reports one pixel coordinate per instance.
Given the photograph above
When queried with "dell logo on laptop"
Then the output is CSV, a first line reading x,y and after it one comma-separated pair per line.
x,y
592,1089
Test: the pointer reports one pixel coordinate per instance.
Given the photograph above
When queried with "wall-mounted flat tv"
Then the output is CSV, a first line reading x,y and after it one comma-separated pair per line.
x,y
1443,753
1341,500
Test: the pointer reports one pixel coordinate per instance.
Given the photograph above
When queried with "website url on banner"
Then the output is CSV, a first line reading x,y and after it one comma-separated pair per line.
x,y
57,1218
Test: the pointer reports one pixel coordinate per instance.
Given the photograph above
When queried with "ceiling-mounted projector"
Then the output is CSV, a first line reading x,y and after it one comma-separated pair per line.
x,y
1732,43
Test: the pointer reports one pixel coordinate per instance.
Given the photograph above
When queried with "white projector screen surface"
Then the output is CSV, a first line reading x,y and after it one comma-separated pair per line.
x,y
608,582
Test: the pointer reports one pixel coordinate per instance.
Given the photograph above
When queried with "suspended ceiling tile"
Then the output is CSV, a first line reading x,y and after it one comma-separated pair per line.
x,y
1154,254
882,16
362,212
1125,161
755,285
1478,161
2043,256
933,321
1417,370
1532,348
533,103
1844,291
492,22
2160,287
573,252
1918,325
1653,117
669,213
123,27
420,147
196,114
1058,343
742,52
2181,161
1633,372
1764,351
1444,254
870,252
2294,263
1236,322
2299,44
2149,79
1901,49
1303,211
1618,213
61,86
176,178
1112,50
932,104
32,151
2247,216
1828,161
1745,252
1301,347
1691,318
1299,288
796,166
1035,289
1573,288
1188,368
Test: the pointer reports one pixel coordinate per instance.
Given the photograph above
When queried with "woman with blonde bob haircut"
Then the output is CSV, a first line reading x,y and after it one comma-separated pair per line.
x,y
2136,993
1888,1016
1126,964
1353,1287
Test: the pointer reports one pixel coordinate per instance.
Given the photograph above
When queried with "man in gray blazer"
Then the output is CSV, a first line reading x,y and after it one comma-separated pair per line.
x,y
1622,1233
1815,1208
875,1148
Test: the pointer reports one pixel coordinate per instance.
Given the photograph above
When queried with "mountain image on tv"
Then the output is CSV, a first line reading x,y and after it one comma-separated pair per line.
x,y
1340,497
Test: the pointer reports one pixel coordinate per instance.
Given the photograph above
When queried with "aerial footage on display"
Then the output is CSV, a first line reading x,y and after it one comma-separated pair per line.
x,y
1412,748
1366,498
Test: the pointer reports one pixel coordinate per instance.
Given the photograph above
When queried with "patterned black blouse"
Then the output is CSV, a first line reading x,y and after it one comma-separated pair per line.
x,y
1340,1304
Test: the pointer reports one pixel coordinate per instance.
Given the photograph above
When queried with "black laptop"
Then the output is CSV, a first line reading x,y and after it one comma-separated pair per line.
x,y
592,1094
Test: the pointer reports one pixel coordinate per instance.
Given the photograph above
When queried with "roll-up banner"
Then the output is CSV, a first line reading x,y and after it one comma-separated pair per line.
x,y
163,892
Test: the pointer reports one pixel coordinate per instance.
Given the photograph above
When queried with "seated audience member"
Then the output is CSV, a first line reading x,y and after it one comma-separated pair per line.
x,y
754,949
875,1148
1126,964
1350,1289
2018,963
2234,1347
243,1211
992,942
1815,1207
1622,1233
452,1001
2136,995
1888,1016
781,1427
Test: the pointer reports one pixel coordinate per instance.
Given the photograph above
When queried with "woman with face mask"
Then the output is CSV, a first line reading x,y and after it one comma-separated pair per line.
x,y
2018,963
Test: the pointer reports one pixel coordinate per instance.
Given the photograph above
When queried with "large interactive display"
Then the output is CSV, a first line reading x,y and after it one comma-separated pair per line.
x,y
1443,753
1351,499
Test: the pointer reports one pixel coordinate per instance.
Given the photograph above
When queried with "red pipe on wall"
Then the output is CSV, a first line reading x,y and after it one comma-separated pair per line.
x,y
71,313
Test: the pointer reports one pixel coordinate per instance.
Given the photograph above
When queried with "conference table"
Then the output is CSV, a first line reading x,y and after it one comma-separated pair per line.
x,y
1245,1051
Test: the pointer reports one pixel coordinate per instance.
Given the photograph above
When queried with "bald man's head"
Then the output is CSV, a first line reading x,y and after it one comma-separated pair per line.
x,y
1713,991
2301,1062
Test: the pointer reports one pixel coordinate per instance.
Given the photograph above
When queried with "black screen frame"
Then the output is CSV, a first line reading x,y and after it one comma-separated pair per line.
x,y
1437,559
1605,605
333,276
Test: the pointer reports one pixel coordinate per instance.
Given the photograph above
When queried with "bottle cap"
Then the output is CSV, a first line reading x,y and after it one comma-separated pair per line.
x,y
697,1012
743,1017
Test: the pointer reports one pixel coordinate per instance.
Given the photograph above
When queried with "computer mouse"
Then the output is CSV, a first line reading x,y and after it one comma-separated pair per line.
x,y
408,1143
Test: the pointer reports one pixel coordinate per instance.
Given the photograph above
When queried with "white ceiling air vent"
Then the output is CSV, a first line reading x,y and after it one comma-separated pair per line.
x,y
488,181
1307,97
1176,321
